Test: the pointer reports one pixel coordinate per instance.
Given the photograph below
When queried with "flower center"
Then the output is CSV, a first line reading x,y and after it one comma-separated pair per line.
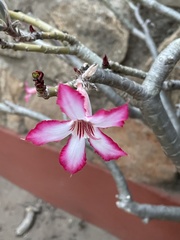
x,y
83,129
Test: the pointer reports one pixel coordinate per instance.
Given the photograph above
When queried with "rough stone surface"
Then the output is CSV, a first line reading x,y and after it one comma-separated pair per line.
x,y
89,19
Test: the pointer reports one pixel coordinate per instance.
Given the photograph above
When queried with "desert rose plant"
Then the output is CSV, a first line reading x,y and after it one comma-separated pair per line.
x,y
146,101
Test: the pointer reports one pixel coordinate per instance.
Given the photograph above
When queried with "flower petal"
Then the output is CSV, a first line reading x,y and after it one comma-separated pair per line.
x,y
71,102
87,103
73,156
109,118
49,131
27,97
29,92
105,146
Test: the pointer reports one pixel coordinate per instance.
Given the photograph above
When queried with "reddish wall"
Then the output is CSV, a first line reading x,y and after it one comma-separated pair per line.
x,y
89,194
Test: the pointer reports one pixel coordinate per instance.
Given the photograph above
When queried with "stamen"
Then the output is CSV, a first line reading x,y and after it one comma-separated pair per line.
x,y
83,129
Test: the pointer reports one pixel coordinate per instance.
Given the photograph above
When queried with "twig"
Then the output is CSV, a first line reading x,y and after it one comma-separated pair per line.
x,y
81,51
168,85
160,8
36,48
51,32
148,39
135,31
9,107
170,110
178,110
118,68
171,85
145,211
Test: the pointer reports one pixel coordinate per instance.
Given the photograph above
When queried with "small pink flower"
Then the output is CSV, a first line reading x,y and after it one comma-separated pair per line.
x,y
29,92
81,126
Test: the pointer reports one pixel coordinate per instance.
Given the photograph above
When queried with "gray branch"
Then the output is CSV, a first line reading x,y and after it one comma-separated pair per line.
x,y
123,83
171,85
145,211
11,108
161,68
152,48
148,39
178,110
152,109
135,31
118,68
157,118
170,109
160,8
118,100
148,94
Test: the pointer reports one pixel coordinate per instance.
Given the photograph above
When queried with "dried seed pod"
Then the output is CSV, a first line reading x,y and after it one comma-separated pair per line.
x,y
28,221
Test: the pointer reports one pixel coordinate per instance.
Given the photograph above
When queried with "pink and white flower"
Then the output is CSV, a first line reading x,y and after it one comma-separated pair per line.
x,y
81,126
29,91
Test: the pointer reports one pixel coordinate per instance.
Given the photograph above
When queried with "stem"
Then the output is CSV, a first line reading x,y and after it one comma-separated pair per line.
x,y
36,48
148,39
160,8
118,68
161,68
135,31
157,118
51,31
9,107
118,100
171,85
114,80
145,211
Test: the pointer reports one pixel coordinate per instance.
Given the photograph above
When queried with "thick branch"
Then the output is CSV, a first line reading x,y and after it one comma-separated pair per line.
x,y
114,80
157,118
161,68
152,84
